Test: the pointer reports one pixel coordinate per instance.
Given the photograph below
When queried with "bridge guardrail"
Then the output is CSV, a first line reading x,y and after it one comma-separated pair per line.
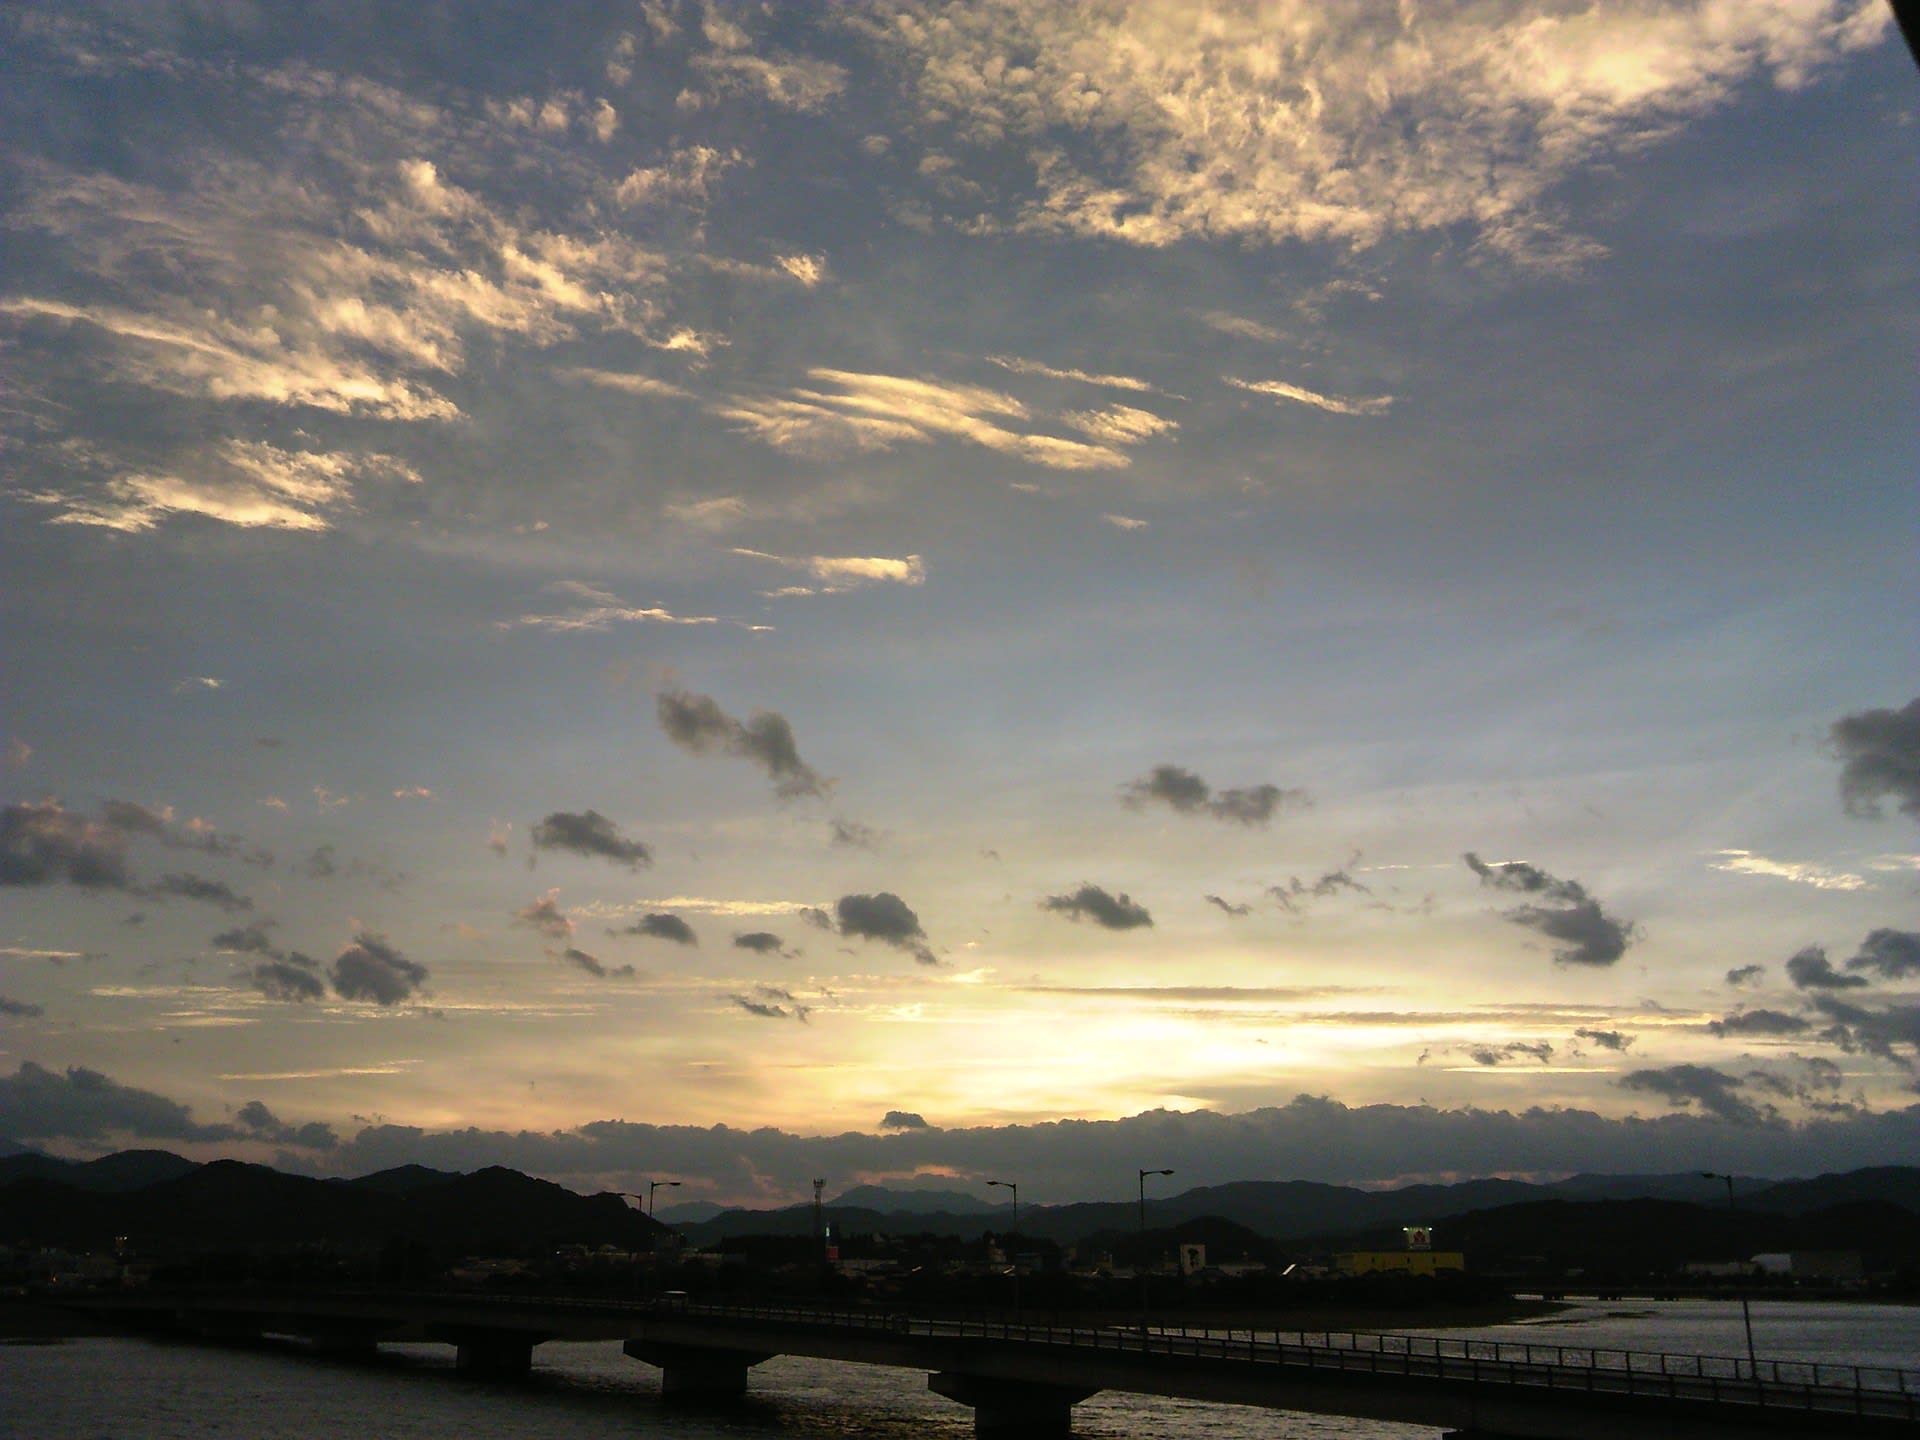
x,y
1802,1385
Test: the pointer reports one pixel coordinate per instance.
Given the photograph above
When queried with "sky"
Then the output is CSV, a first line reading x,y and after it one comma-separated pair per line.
x,y
912,593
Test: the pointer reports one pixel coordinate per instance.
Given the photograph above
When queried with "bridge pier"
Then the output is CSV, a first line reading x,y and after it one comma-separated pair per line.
x,y
493,1354
1012,1409
696,1370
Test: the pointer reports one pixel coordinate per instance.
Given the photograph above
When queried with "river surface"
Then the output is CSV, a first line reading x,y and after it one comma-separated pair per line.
x,y
138,1389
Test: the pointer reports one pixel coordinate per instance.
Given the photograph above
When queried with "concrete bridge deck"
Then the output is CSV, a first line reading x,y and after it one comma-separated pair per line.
x,y
1023,1378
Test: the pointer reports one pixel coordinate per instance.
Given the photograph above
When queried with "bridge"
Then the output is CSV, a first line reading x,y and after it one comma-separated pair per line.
x,y
1023,1378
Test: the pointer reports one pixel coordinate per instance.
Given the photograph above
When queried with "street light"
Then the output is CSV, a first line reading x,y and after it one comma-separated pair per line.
x,y
1746,1310
1015,1188
1143,1249
652,1186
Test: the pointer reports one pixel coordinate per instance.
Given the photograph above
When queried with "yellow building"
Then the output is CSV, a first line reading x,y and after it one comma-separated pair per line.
x,y
1402,1262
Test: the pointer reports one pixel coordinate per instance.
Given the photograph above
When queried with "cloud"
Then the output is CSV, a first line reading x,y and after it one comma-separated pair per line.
x,y
902,1120
852,835
1335,126
846,412
698,724
1606,1039
1333,404
1110,912
293,977
884,917
255,1118
661,926
371,969
580,959
761,942
1745,974
773,1004
247,940
1235,910
1329,883
1714,1091
1119,424
1890,954
544,915
1313,1137
1491,1055
1745,862
1185,793
597,610
42,844
1034,367
80,1104
590,833
196,887
497,833
1587,934
1882,1032
19,1009
1759,1022
839,573
1879,754
1811,970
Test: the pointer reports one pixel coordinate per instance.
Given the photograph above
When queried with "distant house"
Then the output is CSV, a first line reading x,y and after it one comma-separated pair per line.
x,y
1398,1262
1815,1267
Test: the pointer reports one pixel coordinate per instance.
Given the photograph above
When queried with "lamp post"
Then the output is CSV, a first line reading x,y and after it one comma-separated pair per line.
x,y
652,1186
1143,1249
1746,1310
1015,1256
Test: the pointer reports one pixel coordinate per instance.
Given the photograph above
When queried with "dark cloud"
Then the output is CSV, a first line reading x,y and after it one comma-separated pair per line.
x,y
371,969
321,864
1565,912
661,926
590,833
1879,752
294,977
1090,902
1744,974
207,892
591,964
247,939
1759,1022
1811,970
261,1122
1537,1050
884,917
852,835
78,1104
42,844
1230,909
1329,884
1890,954
772,1003
1312,1137
19,1009
1883,1032
1714,1091
761,942
816,917
135,819
545,916
1606,1039
1185,793
902,1120
697,723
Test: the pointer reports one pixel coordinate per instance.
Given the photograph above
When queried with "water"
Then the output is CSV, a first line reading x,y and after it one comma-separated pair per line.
x,y
136,1389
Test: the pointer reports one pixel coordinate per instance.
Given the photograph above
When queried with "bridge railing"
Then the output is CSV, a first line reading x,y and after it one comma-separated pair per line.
x,y
1802,1385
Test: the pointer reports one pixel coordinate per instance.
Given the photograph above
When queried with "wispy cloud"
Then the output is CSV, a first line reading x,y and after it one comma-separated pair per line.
x,y
1745,862
1333,404
850,411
